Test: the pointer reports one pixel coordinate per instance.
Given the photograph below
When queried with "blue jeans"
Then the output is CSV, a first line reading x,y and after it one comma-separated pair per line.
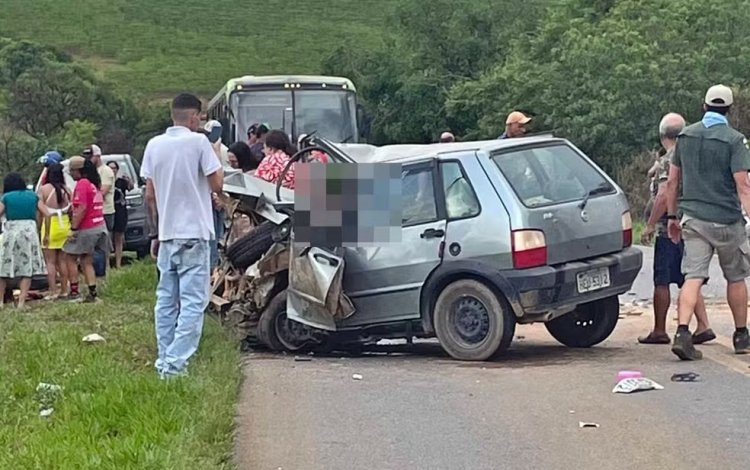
x,y
181,299
218,235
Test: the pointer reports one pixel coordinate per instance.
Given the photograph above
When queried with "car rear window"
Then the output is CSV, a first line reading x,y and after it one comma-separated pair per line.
x,y
550,175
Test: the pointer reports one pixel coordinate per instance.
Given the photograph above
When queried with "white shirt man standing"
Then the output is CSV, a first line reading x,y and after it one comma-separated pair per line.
x,y
181,170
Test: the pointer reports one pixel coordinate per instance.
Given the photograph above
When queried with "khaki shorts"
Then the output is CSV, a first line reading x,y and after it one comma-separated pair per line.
x,y
729,242
86,241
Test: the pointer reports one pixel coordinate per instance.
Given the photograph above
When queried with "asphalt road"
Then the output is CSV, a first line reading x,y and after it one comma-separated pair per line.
x,y
416,409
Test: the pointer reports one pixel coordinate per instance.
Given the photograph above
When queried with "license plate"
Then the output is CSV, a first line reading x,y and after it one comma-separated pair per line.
x,y
592,280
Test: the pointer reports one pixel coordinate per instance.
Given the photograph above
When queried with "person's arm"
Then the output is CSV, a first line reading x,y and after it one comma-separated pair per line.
x,y
152,214
211,165
2,209
106,185
740,165
43,219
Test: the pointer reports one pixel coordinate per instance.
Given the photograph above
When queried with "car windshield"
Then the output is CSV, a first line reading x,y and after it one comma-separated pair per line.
x,y
550,175
331,113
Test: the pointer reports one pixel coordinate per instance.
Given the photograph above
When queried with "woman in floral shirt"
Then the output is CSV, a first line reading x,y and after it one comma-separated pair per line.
x,y
278,149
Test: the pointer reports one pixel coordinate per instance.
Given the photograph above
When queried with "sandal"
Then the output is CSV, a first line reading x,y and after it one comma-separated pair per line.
x,y
704,337
654,339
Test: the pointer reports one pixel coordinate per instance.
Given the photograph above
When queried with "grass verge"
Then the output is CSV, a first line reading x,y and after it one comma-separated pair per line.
x,y
113,411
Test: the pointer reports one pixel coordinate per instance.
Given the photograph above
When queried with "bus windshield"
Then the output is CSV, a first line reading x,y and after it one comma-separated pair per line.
x,y
332,113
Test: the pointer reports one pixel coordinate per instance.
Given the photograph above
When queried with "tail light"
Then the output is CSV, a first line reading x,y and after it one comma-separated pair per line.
x,y
627,229
529,249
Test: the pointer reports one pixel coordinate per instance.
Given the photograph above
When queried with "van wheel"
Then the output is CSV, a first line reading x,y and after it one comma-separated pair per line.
x,y
587,325
471,322
280,333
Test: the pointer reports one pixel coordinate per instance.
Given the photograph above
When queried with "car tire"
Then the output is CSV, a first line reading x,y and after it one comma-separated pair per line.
x,y
244,252
273,324
471,322
588,325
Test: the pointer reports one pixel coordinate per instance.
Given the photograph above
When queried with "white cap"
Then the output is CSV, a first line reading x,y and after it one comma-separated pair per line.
x,y
211,124
96,150
719,95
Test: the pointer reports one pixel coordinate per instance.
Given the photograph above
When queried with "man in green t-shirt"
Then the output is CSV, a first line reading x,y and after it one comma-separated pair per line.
x,y
710,166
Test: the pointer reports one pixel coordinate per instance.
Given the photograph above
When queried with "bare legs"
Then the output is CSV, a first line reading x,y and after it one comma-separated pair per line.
x,y
119,241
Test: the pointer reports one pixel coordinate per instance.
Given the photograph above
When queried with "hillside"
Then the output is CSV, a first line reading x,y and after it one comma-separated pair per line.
x,y
156,47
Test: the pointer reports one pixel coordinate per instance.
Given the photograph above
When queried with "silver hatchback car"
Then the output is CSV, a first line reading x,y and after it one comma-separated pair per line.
x,y
495,233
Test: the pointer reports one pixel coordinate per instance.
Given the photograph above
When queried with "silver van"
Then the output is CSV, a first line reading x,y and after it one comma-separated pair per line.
x,y
494,233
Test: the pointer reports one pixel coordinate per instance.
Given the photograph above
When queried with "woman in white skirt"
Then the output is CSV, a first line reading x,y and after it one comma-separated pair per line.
x,y
20,251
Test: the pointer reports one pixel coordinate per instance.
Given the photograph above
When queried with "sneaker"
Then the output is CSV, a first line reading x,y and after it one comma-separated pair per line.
x,y
90,299
72,297
741,342
683,347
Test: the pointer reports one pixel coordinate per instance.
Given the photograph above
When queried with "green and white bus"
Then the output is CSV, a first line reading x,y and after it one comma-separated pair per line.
x,y
297,104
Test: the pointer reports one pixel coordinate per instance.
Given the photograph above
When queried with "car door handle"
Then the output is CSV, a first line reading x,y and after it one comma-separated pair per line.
x,y
433,233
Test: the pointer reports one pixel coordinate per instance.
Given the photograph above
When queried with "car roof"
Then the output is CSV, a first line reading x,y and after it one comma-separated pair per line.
x,y
405,153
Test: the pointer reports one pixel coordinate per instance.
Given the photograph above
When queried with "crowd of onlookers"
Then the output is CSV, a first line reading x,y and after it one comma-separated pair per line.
x,y
57,230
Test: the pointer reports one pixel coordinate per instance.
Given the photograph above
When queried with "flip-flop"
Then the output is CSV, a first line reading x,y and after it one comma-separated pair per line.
x,y
686,377
704,337
654,339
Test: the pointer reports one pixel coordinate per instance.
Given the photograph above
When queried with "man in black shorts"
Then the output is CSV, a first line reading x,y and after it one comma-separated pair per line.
x,y
668,255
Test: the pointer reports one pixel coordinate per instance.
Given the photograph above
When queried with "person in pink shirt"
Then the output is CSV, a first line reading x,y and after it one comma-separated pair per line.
x,y
88,228
278,150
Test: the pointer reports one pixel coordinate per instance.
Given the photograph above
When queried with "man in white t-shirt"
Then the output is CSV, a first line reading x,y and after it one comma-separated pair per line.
x,y
181,170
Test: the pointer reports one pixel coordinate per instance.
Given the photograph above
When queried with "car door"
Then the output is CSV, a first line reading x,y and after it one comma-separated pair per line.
x,y
384,281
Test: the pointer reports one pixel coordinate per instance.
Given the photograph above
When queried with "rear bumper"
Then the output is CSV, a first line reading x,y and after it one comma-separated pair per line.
x,y
540,294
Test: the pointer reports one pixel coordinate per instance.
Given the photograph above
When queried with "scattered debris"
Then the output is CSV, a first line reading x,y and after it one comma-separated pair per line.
x,y
47,395
302,358
572,412
640,384
520,337
93,338
357,377
581,424
686,377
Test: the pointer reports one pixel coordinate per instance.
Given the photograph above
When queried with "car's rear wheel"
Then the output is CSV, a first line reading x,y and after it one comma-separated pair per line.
x,y
587,325
471,322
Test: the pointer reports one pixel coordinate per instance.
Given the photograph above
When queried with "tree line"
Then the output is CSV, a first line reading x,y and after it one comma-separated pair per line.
x,y
49,101
599,72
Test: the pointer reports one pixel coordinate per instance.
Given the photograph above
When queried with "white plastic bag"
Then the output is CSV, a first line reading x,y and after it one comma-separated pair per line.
x,y
640,384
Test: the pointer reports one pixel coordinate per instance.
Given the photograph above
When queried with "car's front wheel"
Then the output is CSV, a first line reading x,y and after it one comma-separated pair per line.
x,y
471,322
587,325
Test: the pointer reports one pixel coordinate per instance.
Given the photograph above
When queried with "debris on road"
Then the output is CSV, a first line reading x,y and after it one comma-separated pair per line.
x,y
357,377
93,338
686,377
640,384
581,424
628,374
302,358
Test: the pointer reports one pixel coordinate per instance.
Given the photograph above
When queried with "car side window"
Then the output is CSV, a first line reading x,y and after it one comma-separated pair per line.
x,y
460,199
418,204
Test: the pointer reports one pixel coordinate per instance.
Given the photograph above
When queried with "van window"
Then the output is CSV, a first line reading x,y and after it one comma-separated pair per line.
x,y
418,196
460,200
549,175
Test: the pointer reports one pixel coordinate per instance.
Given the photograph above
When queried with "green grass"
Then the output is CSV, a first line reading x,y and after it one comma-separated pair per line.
x,y
154,47
113,411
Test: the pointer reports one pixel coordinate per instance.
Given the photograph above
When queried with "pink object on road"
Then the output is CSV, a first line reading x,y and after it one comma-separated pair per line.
x,y
628,374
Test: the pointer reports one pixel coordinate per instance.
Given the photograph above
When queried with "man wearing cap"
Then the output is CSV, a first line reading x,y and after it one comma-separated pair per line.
x,y
94,153
515,125
447,137
710,165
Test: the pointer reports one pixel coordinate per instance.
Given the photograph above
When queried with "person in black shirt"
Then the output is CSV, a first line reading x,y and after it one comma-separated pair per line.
x,y
122,186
